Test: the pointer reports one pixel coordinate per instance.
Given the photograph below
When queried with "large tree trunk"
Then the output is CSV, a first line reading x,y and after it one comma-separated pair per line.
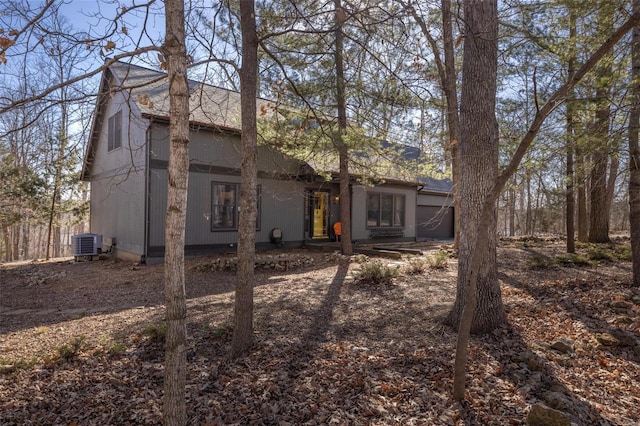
x,y
243,314
482,236
479,161
343,151
634,151
178,176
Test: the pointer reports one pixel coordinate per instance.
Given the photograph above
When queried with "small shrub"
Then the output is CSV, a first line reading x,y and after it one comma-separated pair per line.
x,y
623,252
8,366
72,349
574,260
376,272
438,260
538,261
359,258
416,265
222,331
600,252
156,332
116,348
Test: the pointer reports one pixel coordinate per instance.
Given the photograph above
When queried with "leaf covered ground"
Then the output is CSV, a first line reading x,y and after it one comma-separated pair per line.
x,y
81,343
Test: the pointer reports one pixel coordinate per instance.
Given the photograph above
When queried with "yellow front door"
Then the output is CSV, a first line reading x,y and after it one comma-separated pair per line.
x,y
320,213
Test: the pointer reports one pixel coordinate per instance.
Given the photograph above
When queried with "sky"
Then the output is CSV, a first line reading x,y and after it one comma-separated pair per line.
x,y
97,19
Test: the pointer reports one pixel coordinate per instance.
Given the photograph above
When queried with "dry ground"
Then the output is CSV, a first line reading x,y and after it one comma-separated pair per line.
x,y
79,344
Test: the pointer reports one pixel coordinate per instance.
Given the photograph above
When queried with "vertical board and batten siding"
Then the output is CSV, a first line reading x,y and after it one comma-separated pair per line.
x,y
210,148
282,201
282,206
359,229
118,180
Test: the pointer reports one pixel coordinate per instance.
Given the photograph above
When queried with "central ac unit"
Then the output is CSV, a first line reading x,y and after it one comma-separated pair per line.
x,y
86,245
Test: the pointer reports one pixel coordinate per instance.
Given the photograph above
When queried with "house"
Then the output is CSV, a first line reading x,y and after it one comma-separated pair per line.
x,y
126,164
434,209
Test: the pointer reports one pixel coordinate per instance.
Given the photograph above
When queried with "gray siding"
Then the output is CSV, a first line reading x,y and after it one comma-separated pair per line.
x,y
131,156
118,181
359,209
443,200
282,206
219,150
157,206
117,211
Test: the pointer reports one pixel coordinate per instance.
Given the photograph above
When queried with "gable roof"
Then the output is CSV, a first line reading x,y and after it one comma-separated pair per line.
x,y
217,108
147,92
432,185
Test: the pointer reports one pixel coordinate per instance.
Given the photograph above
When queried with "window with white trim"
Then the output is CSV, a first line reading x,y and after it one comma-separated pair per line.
x,y
385,210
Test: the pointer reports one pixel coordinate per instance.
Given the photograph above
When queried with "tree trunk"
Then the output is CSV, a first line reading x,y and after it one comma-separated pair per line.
x,y
16,241
600,208
512,211
634,151
570,196
178,175
529,213
243,314
479,160
343,151
7,243
453,122
583,217
599,211
614,169
26,237
483,234
448,83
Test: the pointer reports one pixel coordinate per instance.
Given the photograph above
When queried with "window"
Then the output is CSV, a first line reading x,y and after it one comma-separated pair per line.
x,y
115,131
385,210
224,206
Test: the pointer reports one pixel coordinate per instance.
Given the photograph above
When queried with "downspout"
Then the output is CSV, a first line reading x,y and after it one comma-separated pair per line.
x,y
147,188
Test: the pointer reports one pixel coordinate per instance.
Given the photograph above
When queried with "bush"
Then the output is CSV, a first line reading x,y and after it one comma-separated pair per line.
x,y
416,265
623,252
116,348
8,366
72,349
156,332
600,252
574,260
376,272
438,260
538,261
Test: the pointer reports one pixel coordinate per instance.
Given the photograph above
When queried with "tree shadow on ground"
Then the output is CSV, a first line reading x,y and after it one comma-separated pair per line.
x,y
349,357
565,295
98,293
533,366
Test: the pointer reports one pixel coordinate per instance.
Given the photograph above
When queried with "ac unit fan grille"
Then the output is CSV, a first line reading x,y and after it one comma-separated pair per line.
x,y
86,244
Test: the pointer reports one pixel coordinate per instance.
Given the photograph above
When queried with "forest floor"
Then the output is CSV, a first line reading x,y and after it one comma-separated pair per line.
x,y
81,343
